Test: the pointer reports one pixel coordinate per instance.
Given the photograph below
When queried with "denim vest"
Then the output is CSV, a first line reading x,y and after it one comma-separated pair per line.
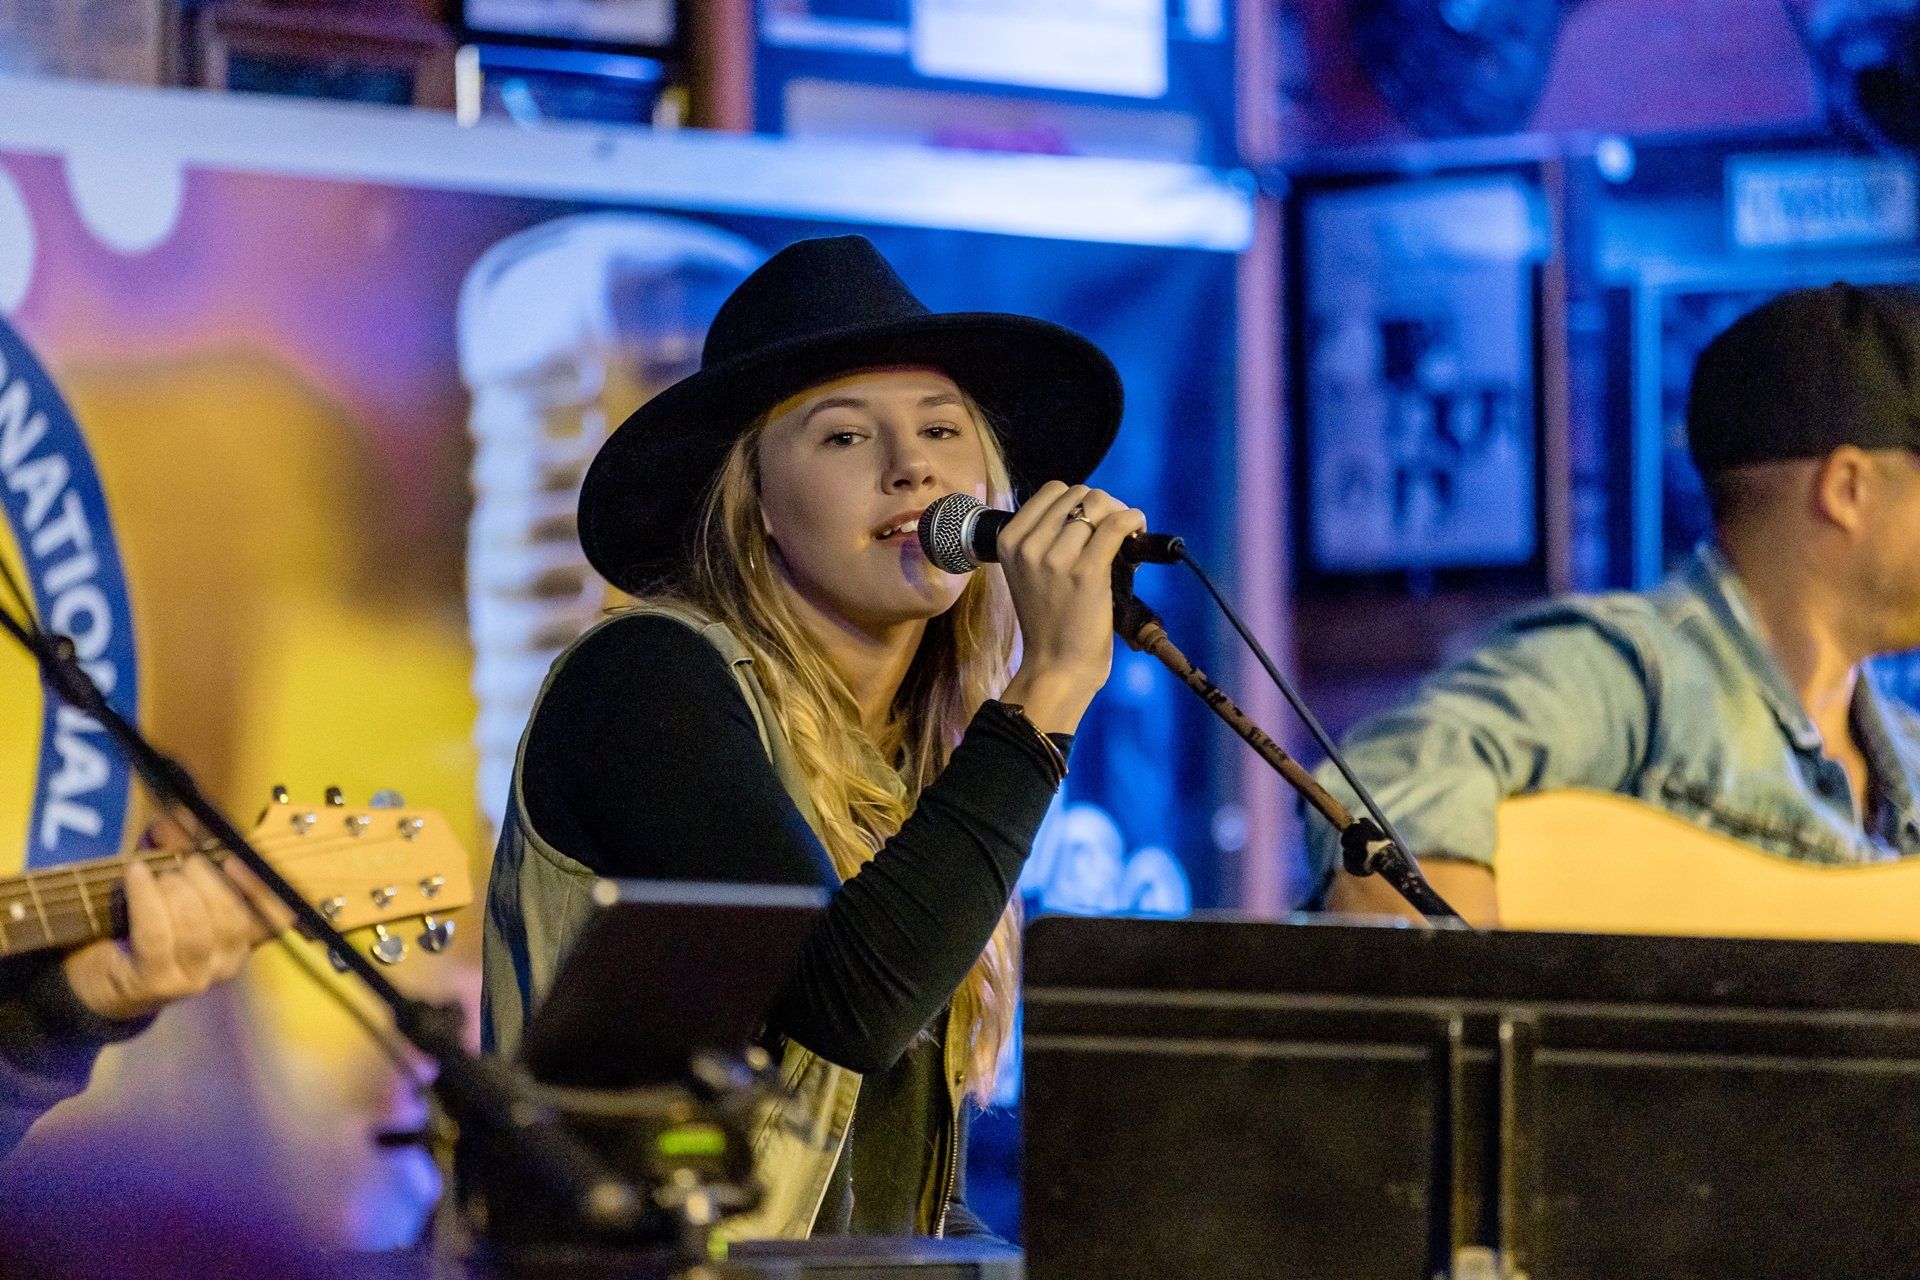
x,y
1670,696
538,900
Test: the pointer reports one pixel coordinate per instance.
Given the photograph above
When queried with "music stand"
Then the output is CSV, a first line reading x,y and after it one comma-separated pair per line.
x,y
666,969
644,1051
1229,1098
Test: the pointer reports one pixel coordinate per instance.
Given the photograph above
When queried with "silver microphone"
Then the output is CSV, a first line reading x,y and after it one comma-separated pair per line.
x,y
947,529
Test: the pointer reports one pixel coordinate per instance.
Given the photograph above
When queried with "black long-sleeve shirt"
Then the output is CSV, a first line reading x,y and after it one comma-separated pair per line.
x,y
644,761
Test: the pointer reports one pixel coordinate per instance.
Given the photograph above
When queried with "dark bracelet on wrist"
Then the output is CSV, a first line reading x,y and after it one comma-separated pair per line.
x,y
1013,712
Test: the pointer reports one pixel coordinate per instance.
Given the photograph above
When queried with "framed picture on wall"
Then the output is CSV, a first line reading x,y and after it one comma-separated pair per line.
x,y
1416,324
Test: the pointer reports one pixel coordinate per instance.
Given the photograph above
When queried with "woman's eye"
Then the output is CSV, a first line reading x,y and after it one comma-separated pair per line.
x,y
843,437
943,431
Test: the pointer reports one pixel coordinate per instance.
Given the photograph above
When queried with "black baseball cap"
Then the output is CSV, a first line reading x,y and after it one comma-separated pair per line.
x,y
1807,372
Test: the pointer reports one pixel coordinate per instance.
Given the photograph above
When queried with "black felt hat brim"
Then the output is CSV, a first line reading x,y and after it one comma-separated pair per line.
x,y
1053,397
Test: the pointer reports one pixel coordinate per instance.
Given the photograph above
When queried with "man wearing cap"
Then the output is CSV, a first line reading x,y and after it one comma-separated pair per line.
x,y
1734,694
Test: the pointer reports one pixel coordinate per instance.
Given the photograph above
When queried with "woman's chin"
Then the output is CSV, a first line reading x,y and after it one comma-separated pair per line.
x,y
917,605
923,605
927,591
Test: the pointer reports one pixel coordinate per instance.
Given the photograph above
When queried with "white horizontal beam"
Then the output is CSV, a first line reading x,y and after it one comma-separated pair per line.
x,y
1052,197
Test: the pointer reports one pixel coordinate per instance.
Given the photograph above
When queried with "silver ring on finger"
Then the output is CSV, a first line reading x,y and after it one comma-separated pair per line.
x,y
1079,513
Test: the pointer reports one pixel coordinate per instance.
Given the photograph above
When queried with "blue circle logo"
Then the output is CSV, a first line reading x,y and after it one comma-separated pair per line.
x,y
53,505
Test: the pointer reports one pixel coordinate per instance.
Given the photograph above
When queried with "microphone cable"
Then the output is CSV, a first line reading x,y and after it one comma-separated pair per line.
x,y
1299,705
26,618
947,536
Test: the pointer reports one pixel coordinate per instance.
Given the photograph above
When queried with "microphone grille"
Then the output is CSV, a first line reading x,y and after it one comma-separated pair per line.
x,y
943,532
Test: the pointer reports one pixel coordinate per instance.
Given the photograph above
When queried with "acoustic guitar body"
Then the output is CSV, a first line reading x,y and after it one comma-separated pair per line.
x,y
1591,862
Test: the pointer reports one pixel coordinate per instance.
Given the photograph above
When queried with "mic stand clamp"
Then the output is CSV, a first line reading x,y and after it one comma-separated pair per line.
x,y
1365,849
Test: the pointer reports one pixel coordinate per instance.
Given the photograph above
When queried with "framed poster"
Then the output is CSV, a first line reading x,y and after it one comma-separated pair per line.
x,y
1416,388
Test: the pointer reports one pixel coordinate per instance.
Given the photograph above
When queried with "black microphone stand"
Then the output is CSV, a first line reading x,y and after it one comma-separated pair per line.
x,y
477,1092
1365,849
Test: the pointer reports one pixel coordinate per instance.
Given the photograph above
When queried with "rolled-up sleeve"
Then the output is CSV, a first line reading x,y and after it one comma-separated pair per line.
x,y
1564,697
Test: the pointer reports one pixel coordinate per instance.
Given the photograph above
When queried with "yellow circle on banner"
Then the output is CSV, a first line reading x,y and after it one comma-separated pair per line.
x,y
20,696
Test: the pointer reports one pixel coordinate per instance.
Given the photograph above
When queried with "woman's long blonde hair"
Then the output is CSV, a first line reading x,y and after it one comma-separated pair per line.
x,y
863,790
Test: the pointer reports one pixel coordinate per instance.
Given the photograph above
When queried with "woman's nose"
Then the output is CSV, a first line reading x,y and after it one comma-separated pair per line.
x,y
909,467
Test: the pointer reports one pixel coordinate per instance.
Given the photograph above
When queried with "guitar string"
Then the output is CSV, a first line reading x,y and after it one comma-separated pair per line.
x,y
52,890
113,869
60,890
69,891
74,907
294,946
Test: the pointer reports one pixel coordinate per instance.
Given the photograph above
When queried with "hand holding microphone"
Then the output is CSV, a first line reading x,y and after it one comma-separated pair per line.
x,y
1057,553
959,533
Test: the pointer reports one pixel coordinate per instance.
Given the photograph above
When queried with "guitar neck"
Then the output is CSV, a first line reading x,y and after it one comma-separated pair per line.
x,y
358,867
63,907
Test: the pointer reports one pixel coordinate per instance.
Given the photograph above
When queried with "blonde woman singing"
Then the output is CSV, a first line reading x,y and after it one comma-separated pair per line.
x,y
800,697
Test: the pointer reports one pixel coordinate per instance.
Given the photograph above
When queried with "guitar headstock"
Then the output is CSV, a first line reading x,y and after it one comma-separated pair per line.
x,y
376,866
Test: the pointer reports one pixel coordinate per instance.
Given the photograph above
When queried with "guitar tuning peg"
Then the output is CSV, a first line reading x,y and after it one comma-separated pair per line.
x,y
387,948
339,962
335,797
437,935
387,798
280,794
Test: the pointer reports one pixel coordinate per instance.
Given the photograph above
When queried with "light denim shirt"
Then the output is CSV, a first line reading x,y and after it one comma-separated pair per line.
x,y
1669,696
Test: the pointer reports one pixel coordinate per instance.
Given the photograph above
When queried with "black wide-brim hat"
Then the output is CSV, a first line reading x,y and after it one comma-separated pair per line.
x,y
818,310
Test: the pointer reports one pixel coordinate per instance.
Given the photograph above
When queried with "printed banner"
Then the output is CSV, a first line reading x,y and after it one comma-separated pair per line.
x,y
62,557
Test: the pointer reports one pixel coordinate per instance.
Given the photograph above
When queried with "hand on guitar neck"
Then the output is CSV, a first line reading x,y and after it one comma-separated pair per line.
x,y
165,923
187,930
